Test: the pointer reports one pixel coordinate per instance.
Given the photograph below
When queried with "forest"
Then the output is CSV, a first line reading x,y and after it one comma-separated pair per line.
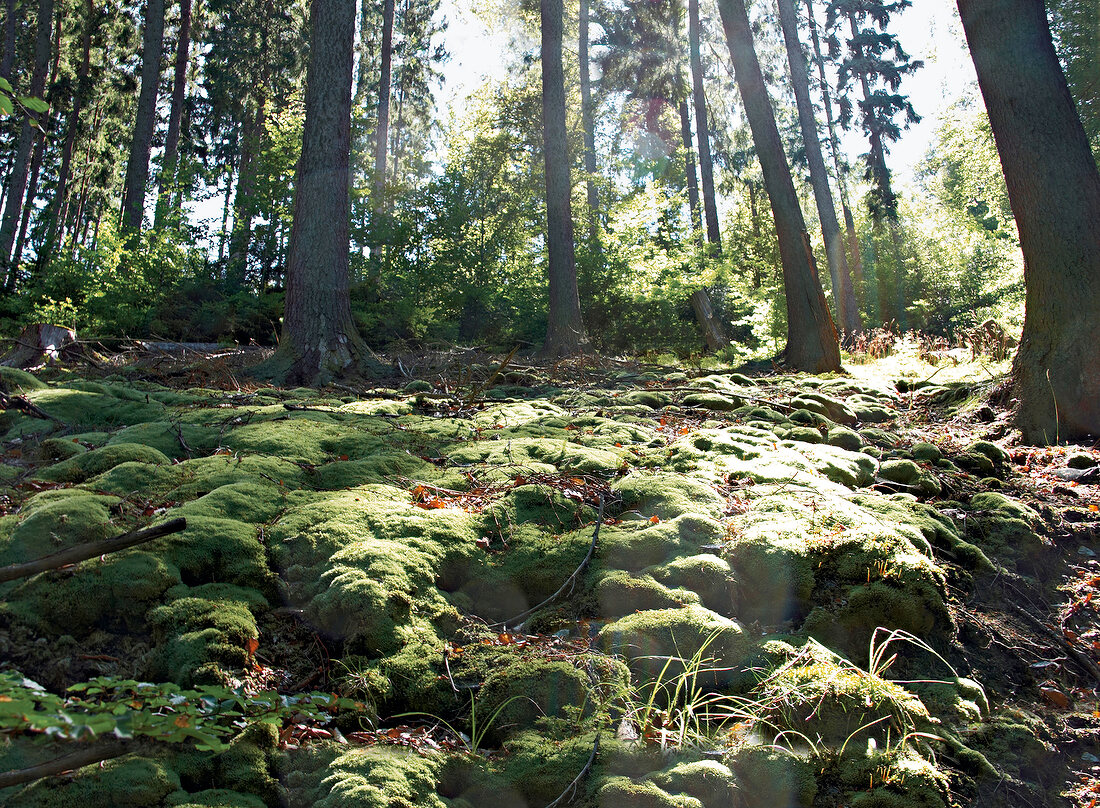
x,y
641,403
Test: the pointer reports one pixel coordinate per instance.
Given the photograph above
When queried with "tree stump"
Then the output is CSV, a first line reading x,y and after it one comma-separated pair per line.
x,y
38,343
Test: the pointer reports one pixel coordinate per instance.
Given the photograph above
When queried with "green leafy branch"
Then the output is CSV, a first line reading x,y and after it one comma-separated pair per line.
x,y
127,710
28,105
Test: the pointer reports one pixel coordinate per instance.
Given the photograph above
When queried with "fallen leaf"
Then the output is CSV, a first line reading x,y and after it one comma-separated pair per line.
x,y
1055,697
654,520
251,644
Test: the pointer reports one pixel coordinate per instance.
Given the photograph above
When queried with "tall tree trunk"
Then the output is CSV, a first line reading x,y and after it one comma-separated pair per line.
x,y
60,204
382,129
223,240
847,315
702,132
689,168
320,339
811,336
565,332
137,167
244,202
8,59
1054,189
175,118
587,123
855,257
17,181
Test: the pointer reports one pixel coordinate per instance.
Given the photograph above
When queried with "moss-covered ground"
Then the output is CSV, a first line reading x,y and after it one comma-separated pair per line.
x,y
800,591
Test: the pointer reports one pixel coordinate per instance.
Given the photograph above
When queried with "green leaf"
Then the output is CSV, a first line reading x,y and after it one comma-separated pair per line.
x,y
5,85
6,107
34,104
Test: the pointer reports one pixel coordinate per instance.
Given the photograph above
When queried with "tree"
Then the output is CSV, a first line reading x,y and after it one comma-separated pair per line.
x,y
17,181
319,338
846,309
175,117
811,336
1054,189
587,121
706,163
565,331
382,129
141,146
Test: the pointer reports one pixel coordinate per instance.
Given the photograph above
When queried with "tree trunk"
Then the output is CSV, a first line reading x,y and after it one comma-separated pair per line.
x,y
855,257
713,332
565,332
702,132
819,175
811,336
7,61
137,167
17,180
689,168
175,117
319,338
588,124
244,202
1054,189
382,130
60,202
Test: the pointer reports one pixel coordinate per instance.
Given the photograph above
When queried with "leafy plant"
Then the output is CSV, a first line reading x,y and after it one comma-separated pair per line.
x,y
207,716
478,730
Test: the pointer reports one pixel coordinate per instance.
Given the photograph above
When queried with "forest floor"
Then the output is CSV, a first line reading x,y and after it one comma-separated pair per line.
x,y
596,582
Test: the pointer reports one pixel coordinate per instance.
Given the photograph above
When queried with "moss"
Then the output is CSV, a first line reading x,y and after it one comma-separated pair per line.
x,y
1080,460
647,639
805,434
53,520
708,781
707,575
542,768
213,549
55,449
771,777
19,381
650,398
880,437
832,408
96,406
645,794
900,471
666,495
1007,528
247,765
633,546
898,778
214,798
619,593
371,777
995,453
88,464
417,386
131,781
165,437
713,401
926,452
201,638
527,690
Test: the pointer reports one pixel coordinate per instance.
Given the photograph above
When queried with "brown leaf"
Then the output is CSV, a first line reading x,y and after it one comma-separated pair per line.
x,y
1055,697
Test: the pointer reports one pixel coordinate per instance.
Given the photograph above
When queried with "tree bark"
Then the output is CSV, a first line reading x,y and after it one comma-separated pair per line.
x,y
819,175
565,332
137,167
175,117
855,257
17,180
811,336
702,132
587,123
1054,190
689,168
320,339
7,61
60,202
382,129
244,202
713,332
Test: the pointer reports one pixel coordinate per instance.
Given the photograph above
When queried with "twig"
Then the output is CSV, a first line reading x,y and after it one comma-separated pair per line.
x,y
82,552
570,582
24,406
74,760
1087,664
571,789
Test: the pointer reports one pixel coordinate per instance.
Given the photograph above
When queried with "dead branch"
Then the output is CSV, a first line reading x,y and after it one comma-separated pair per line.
x,y
571,789
1083,661
93,753
24,406
82,552
570,582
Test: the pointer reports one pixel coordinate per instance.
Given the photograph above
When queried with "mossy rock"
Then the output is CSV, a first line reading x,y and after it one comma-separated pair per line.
x,y
165,437
417,386
541,768
628,793
707,575
770,777
619,593
55,449
1006,528
844,438
83,466
880,437
713,401
653,399
54,520
363,777
995,453
214,798
649,639
1080,460
926,452
708,781
805,434
833,409
142,782
19,381
667,495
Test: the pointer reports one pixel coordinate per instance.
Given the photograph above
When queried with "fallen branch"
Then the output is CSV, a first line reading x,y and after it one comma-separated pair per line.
x,y
24,406
94,753
570,582
571,789
1087,664
82,552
